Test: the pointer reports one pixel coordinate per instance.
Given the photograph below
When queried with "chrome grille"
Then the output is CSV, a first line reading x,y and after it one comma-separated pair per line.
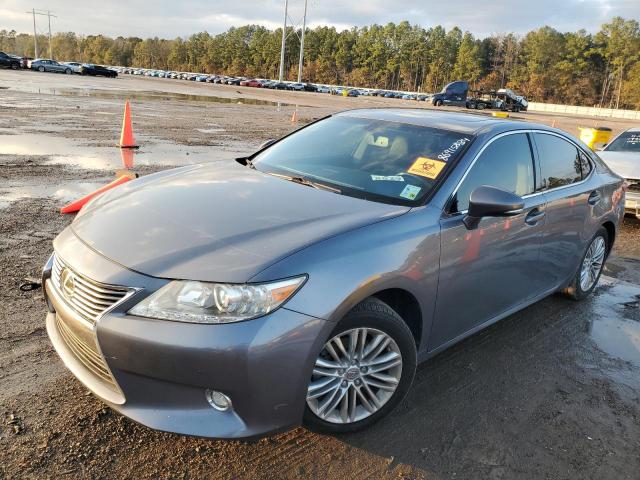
x,y
86,351
88,298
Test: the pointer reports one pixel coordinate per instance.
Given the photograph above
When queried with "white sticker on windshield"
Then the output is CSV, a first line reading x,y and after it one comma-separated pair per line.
x,y
387,178
410,192
446,154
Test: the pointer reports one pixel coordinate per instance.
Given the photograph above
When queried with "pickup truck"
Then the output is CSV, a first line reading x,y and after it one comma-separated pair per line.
x,y
10,61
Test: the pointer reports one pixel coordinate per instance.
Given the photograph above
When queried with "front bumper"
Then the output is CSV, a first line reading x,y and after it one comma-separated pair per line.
x,y
632,202
161,369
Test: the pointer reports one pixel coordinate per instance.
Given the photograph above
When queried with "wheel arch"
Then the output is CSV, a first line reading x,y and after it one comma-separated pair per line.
x,y
611,233
405,304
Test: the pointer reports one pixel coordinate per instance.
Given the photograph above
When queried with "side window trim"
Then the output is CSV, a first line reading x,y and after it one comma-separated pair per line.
x,y
543,189
447,209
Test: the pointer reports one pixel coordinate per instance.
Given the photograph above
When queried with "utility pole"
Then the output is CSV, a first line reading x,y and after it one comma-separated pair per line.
x,y
50,48
35,34
304,26
284,38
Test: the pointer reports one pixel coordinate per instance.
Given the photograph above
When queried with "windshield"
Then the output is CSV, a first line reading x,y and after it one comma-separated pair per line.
x,y
377,160
626,142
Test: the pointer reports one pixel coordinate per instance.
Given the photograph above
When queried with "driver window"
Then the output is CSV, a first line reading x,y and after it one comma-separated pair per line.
x,y
506,163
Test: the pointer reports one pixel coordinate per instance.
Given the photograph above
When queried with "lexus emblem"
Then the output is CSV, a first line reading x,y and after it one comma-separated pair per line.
x,y
67,283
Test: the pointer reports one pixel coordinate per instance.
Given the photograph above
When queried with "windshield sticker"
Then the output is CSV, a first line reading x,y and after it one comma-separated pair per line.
x,y
446,154
387,178
410,192
633,139
427,167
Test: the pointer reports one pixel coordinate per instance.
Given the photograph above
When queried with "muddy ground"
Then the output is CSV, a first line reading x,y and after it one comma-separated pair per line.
x,y
551,392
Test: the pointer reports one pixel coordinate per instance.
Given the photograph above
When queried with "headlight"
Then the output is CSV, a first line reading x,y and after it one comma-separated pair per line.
x,y
201,302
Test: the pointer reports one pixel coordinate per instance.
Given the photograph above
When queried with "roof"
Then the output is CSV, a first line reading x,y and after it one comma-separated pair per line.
x,y
457,121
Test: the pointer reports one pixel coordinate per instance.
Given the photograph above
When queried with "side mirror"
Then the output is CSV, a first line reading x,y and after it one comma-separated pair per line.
x,y
264,145
488,201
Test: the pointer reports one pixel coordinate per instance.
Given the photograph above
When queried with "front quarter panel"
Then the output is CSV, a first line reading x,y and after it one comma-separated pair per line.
x,y
403,253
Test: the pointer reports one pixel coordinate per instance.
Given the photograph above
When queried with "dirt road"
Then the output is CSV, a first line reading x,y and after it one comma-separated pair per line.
x,y
551,392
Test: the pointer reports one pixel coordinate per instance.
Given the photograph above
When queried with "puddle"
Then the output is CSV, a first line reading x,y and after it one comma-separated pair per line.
x,y
615,327
65,192
65,151
210,130
143,95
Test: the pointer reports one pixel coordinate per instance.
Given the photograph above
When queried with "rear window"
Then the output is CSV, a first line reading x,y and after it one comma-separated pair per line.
x,y
367,158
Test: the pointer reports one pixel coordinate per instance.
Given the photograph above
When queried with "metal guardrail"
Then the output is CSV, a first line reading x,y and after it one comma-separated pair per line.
x,y
586,111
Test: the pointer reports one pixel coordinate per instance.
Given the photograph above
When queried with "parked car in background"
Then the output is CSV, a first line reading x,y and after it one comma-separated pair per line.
x,y
46,65
75,66
97,70
10,61
323,89
251,83
622,155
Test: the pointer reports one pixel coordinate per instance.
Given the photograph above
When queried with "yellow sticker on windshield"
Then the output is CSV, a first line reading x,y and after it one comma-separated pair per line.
x,y
427,167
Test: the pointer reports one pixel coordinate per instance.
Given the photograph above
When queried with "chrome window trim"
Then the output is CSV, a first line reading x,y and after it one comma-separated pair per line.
x,y
535,165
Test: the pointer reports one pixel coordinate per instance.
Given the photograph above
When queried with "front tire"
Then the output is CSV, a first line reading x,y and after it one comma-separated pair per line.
x,y
41,69
363,371
591,266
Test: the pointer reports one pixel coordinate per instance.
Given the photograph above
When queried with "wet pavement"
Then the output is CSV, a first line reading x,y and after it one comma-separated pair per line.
x,y
550,392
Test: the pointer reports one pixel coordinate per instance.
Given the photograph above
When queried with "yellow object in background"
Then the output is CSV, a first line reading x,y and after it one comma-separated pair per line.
x,y
345,93
593,136
500,114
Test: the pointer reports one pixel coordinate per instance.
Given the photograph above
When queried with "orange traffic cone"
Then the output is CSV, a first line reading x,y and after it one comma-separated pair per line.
x,y
127,157
126,137
78,204
294,117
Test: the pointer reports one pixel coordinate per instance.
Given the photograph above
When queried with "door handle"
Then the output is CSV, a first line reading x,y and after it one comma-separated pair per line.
x,y
534,216
594,198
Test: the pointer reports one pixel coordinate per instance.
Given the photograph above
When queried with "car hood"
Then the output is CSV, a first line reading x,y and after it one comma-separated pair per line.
x,y
625,164
220,222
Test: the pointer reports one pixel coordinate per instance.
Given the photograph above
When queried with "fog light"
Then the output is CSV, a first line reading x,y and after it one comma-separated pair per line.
x,y
218,400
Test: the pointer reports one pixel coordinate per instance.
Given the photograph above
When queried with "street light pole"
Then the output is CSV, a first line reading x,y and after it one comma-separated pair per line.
x,y
304,26
284,38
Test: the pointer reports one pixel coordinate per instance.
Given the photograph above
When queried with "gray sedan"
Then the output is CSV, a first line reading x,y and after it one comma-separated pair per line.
x,y
303,284
45,65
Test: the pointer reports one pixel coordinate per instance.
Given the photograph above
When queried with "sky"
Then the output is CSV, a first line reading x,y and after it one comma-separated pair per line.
x,y
172,18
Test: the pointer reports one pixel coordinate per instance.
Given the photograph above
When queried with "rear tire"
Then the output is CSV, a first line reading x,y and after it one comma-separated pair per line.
x,y
362,402
15,66
68,71
590,267
438,103
480,106
41,69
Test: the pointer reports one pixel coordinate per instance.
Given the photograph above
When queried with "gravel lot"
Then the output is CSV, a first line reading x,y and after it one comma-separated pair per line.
x,y
551,392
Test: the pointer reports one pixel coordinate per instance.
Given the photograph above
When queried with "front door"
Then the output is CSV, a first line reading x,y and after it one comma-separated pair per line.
x,y
489,270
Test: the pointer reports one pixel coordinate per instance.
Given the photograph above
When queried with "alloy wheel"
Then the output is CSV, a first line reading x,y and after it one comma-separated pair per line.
x,y
592,263
356,373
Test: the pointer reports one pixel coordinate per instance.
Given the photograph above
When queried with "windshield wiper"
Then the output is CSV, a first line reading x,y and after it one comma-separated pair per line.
x,y
307,182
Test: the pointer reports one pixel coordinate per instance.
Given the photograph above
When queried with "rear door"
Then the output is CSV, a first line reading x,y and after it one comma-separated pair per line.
x,y
487,271
570,196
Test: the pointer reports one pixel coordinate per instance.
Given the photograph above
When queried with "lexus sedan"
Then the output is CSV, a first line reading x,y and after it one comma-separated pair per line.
x,y
622,155
45,65
304,283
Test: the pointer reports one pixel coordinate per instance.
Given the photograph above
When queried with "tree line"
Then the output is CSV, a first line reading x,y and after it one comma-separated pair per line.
x,y
579,68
